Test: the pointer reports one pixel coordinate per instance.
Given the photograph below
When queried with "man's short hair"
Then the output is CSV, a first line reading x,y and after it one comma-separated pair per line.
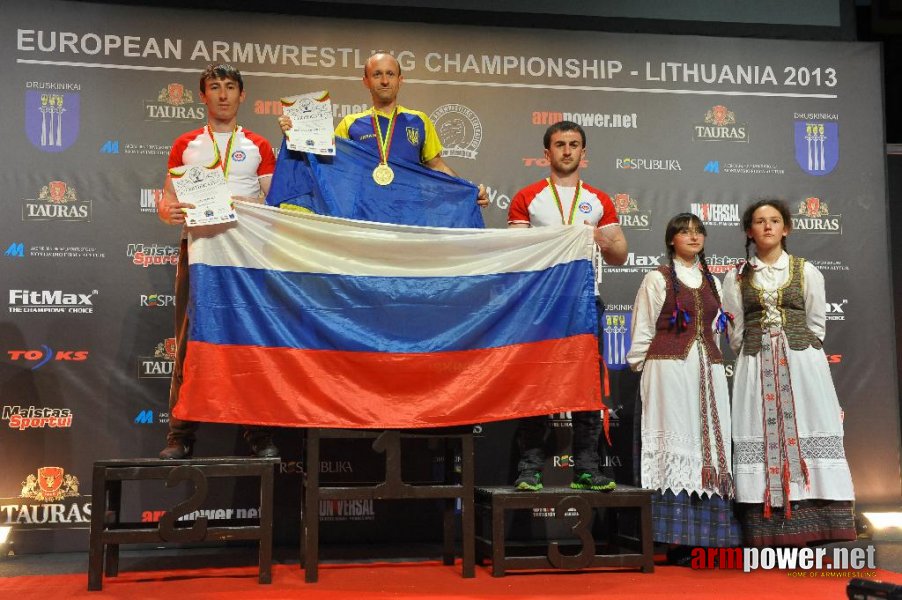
x,y
221,71
386,53
563,126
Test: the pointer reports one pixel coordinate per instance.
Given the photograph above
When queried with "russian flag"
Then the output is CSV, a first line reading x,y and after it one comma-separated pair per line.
x,y
311,321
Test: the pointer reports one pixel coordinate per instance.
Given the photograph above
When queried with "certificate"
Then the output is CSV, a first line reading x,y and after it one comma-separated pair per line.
x,y
206,189
311,123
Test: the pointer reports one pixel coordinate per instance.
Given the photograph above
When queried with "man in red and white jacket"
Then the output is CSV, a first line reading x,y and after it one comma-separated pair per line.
x,y
564,199
248,163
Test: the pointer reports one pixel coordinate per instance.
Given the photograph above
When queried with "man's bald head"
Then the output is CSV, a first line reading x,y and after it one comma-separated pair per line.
x,y
376,58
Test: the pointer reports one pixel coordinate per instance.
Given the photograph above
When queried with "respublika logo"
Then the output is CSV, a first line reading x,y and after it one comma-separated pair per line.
x,y
45,354
33,417
51,301
459,130
716,214
648,164
151,255
588,119
156,300
629,214
15,250
52,114
817,146
57,201
174,103
159,365
720,126
813,216
617,330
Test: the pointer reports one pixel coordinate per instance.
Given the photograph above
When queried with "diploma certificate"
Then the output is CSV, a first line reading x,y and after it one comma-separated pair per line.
x,y
207,190
311,123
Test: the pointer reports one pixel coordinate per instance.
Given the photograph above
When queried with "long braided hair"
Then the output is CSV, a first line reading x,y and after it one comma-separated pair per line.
x,y
679,223
747,216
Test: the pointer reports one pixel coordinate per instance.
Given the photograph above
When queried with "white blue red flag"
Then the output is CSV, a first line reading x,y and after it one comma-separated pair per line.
x,y
313,321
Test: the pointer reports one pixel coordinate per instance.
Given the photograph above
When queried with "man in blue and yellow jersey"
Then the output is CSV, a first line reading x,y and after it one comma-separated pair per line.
x,y
389,128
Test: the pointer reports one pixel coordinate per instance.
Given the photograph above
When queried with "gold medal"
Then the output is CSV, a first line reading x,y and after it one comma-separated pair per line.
x,y
383,175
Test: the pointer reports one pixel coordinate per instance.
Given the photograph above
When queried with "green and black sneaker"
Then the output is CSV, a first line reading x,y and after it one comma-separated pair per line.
x,y
593,481
529,481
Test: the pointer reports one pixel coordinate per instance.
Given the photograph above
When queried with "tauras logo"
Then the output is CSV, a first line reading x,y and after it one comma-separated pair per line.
x,y
160,364
49,498
33,417
50,301
720,125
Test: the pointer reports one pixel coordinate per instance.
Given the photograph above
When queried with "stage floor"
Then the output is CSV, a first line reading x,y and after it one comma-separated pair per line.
x,y
401,572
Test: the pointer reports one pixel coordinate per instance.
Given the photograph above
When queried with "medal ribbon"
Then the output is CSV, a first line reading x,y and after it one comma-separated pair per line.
x,y
560,207
218,157
384,143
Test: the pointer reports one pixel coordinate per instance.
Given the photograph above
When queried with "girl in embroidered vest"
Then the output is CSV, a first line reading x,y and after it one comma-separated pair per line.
x,y
686,454
793,485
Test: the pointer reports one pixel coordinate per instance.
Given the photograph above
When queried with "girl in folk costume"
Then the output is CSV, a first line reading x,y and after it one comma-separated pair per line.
x,y
686,454
793,484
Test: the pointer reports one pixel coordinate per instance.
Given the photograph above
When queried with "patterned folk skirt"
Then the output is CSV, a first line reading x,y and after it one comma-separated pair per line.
x,y
691,520
811,522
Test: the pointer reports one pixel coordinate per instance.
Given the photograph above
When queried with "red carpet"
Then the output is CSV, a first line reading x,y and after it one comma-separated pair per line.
x,y
432,580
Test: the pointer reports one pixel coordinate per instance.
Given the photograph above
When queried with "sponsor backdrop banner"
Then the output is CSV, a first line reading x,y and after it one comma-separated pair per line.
x,y
94,95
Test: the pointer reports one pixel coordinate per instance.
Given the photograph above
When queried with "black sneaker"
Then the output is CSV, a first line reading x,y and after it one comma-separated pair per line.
x,y
262,446
529,481
177,450
592,481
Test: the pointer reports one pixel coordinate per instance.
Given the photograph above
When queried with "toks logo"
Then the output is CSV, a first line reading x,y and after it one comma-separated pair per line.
x,y
57,201
47,354
32,417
